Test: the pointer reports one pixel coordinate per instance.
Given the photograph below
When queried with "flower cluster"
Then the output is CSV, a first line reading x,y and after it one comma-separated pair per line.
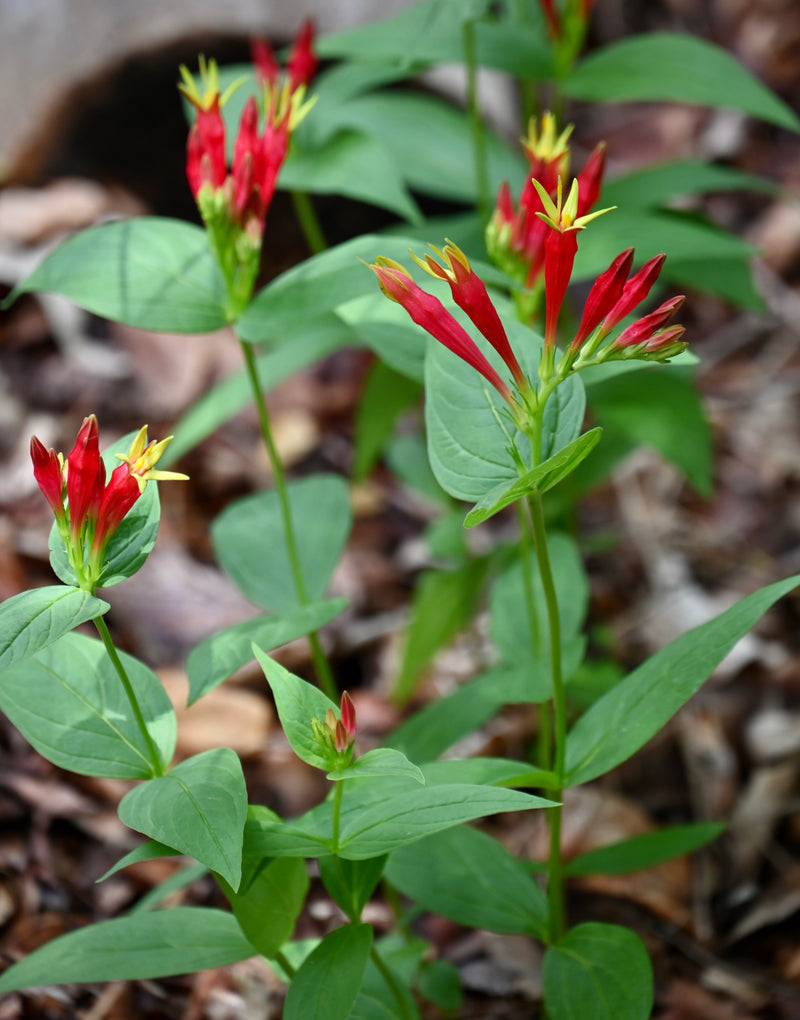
x,y
88,509
335,737
613,296
515,237
233,201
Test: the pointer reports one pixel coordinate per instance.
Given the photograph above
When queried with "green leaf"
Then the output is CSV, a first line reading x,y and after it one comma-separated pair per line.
x,y
644,851
150,944
354,164
468,877
150,272
538,479
269,901
673,67
659,406
327,984
600,971
469,431
215,658
631,713
440,983
317,285
132,542
443,603
381,761
423,34
199,807
386,329
386,395
69,703
250,543
150,850
351,883
297,702
380,828
509,620
431,141
376,1000
657,185
729,279
431,730
310,342
34,619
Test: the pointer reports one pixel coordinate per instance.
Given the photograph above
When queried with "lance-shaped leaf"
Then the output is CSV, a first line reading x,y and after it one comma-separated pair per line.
x,y
327,984
34,619
269,901
199,807
150,944
633,711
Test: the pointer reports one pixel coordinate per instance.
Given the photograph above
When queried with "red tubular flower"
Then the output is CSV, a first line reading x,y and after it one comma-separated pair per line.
x,y
266,66
86,475
644,329
48,470
634,292
118,497
428,312
552,18
302,62
560,248
606,291
469,293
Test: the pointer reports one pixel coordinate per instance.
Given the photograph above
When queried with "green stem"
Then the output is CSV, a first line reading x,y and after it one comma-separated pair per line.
x,y
555,885
283,963
321,665
477,125
544,751
529,101
391,981
155,757
337,809
309,222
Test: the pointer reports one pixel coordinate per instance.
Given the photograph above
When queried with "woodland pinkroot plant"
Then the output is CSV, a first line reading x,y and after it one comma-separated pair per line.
x,y
505,425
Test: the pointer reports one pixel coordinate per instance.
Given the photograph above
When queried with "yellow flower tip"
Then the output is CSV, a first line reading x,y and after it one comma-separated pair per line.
x,y
546,144
391,276
204,95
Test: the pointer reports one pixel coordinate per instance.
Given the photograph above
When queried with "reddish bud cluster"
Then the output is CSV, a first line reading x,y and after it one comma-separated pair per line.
x,y
336,736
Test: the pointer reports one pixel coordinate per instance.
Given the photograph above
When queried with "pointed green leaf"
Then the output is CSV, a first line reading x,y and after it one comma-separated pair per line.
x,y
199,807
465,875
297,702
215,658
150,850
150,272
633,711
327,984
644,851
34,619
381,761
250,543
386,395
538,479
600,971
151,944
269,901
673,67
69,703
653,186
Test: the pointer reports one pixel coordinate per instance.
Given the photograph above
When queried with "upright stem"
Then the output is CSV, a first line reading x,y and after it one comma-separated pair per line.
x,y
337,809
309,223
555,886
477,125
527,87
391,981
544,750
152,750
321,665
